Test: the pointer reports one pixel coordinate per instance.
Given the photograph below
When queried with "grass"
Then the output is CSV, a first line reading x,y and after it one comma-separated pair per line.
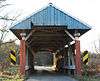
x,y
11,74
86,78
88,75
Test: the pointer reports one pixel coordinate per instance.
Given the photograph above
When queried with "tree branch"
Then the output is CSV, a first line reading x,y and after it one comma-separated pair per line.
x,y
2,0
96,49
4,5
5,18
11,41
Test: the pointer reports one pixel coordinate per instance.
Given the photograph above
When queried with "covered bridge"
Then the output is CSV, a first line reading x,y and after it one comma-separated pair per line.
x,y
53,30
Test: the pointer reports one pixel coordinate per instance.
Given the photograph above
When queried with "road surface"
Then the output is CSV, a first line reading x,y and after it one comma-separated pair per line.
x,y
51,78
42,75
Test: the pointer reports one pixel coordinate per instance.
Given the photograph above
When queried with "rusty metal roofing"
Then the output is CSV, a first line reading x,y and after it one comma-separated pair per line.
x,y
51,17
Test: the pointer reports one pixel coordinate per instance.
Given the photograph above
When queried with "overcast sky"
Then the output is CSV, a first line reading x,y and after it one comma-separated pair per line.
x,y
87,11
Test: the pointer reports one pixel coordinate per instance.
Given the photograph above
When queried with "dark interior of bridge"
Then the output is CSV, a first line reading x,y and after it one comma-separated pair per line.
x,y
47,52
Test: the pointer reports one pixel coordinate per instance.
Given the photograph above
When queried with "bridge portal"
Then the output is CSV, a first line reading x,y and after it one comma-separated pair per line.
x,y
50,31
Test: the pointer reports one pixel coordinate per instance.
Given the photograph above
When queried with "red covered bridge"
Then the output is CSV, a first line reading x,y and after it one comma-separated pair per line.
x,y
52,30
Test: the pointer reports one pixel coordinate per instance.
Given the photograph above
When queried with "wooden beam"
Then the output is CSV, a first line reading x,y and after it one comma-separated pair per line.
x,y
22,57
71,43
69,35
46,34
29,35
47,40
30,49
47,46
78,58
49,29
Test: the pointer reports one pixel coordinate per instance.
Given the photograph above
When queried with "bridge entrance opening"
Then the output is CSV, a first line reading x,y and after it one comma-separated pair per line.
x,y
52,35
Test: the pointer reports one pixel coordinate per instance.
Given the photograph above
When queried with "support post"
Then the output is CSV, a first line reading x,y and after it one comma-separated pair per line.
x,y
54,60
77,57
22,56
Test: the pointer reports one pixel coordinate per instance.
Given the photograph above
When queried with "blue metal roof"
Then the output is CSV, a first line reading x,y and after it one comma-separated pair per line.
x,y
50,16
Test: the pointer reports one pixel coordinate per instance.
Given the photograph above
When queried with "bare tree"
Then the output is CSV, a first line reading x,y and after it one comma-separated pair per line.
x,y
4,30
95,57
97,47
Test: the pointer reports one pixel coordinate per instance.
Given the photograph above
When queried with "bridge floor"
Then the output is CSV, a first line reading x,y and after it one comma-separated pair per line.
x,y
45,74
50,78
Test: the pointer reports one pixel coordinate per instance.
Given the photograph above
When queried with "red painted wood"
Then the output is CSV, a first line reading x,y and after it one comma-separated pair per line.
x,y
22,57
77,58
